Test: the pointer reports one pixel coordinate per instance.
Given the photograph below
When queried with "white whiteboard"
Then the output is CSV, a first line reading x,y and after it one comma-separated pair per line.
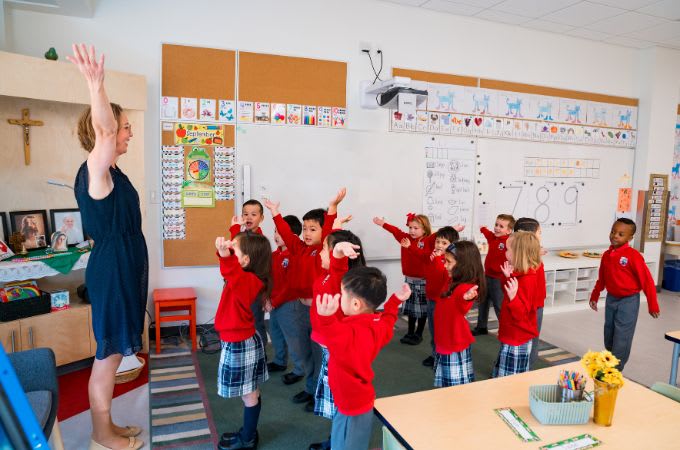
x,y
576,203
304,167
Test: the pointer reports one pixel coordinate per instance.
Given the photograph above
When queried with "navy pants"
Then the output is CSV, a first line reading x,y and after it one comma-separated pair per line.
x,y
620,318
494,296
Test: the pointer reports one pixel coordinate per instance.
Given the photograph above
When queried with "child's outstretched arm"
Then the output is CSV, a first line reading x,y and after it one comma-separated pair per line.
x,y
229,266
293,242
521,300
332,213
396,232
340,221
235,228
389,315
647,283
599,285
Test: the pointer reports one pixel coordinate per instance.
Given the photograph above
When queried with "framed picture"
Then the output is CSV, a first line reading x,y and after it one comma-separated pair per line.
x,y
4,231
69,222
33,225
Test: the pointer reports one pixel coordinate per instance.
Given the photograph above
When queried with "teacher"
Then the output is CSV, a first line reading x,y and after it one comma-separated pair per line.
x,y
117,272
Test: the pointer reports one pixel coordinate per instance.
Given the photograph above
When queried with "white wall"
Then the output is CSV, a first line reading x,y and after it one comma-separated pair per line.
x,y
130,32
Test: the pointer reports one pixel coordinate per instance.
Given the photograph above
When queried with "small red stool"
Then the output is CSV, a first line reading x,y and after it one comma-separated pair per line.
x,y
175,299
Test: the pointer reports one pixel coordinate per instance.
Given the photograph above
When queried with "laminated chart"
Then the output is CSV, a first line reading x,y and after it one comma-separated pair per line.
x,y
174,217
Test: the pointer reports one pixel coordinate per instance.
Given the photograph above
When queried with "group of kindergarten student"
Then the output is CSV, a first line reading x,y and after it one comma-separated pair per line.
x,y
323,300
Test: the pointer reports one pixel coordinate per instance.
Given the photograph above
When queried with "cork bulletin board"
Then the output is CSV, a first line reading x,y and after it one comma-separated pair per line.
x,y
199,73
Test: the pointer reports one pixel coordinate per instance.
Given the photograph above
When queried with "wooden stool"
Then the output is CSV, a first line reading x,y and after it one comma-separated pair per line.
x,y
175,299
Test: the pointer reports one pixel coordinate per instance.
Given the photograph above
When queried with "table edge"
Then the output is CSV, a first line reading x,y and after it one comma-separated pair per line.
x,y
392,430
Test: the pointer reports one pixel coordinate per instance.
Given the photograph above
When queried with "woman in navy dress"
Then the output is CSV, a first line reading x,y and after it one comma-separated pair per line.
x,y
117,272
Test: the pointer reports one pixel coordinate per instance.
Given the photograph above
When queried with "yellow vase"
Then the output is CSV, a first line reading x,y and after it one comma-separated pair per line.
x,y
605,401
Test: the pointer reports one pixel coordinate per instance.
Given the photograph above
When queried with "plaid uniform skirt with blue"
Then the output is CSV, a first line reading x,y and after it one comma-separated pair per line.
x,y
324,405
416,304
512,359
453,369
242,368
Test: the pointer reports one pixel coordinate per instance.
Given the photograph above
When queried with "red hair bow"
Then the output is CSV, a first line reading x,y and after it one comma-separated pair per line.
x,y
410,217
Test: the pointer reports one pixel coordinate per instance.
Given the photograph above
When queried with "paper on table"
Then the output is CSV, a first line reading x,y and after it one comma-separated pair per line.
x,y
576,443
517,425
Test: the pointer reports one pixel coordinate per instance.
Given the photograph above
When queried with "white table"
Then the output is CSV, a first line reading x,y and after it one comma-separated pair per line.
x,y
15,271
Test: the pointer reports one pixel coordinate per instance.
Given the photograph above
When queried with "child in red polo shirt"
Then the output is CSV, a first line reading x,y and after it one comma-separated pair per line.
x,y
354,342
623,273
517,323
306,266
453,360
420,237
495,258
533,226
245,265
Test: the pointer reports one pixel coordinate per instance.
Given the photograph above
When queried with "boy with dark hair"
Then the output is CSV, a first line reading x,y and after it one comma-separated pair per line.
x,y
354,342
283,316
623,273
492,268
306,265
252,215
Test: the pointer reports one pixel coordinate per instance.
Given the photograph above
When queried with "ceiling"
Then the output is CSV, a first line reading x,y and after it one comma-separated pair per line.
x,y
630,23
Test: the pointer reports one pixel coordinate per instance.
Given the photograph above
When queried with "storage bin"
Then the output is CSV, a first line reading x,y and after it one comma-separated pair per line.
x,y
546,406
27,307
671,275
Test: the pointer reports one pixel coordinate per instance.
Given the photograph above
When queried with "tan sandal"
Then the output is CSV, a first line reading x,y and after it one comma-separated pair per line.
x,y
134,444
131,431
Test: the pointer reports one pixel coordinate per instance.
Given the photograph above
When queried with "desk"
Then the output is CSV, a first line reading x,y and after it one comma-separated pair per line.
x,y
463,416
674,337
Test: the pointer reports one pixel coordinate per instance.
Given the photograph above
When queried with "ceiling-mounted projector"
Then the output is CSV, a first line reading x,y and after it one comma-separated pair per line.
x,y
398,93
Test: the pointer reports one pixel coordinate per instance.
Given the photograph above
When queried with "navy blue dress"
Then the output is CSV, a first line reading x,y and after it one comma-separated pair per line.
x,y
117,272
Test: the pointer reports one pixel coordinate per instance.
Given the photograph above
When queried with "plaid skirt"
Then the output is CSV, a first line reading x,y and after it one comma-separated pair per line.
x,y
416,304
512,359
453,369
242,367
324,405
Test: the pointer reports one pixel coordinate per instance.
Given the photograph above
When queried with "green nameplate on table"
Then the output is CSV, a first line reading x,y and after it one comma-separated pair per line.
x,y
576,443
62,262
517,425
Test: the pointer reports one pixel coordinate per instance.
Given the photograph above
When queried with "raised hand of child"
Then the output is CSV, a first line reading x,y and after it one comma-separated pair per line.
x,y
507,269
340,221
273,207
335,201
236,220
346,249
223,246
406,242
471,293
404,292
380,221
511,288
436,253
328,304
593,305
655,314
459,227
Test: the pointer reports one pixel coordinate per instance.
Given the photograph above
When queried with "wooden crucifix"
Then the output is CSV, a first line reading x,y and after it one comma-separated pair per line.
x,y
26,123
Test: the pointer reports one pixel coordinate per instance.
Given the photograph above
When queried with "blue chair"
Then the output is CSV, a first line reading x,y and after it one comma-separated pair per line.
x,y
37,373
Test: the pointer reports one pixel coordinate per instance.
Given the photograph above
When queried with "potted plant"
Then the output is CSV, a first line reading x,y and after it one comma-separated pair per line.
x,y
601,366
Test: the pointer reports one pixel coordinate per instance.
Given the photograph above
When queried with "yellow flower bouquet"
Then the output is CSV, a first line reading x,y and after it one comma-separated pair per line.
x,y
601,366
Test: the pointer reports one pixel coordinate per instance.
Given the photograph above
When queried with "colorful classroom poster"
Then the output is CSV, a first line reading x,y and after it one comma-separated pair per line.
x,y
294,114
324,116
172,165
245,112
339,117
189,108
197,195
262,113
198,134
227,111
198,166
625,197
309,115
278,113
225,178
206,109
433,122
169,108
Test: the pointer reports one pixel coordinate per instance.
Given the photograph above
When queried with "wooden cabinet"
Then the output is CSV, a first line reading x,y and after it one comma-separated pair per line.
x,y
10,336
68,333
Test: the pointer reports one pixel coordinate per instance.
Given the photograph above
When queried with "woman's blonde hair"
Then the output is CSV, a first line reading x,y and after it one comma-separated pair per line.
x,y
423,221
86,134
526,251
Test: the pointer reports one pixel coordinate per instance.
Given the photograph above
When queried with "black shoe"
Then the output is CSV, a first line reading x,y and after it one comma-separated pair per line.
x,y
428,362
325,445
291,378
237,442
303,397
479,331
417,339
309,407
273,367
407,339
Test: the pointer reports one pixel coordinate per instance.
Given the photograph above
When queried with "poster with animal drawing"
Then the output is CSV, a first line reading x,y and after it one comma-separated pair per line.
x,y
544,108
444,97
480,101
513,104
572,111
599,114
624,117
